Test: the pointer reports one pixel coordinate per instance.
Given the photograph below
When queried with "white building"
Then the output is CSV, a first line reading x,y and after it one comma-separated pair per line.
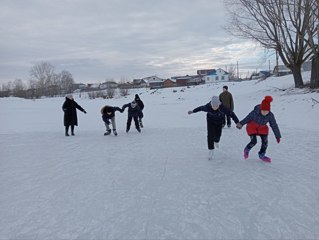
x,y
218,75
154,81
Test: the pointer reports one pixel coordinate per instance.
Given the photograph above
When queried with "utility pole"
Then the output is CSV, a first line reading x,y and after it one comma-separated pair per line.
x,y
237,72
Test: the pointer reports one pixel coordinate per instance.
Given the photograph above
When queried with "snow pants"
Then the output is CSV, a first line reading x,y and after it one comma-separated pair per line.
x,y
253,142
214,133
228,120
129,121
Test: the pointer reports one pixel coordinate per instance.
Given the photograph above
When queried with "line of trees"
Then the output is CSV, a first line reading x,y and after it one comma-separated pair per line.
x,y
44,81
290,27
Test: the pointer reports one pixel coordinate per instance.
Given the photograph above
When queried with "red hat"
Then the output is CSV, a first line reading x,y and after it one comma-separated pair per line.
x,y
265,104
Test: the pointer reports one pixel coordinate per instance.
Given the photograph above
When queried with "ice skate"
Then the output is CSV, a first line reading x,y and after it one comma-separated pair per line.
x,y
246,153
264,158
108,132
210,154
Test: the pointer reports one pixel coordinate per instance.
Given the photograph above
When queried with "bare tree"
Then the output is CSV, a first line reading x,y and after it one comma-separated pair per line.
x,y
314,79
124,91
110,92
18,88
282,25
67,81
43,74
232,72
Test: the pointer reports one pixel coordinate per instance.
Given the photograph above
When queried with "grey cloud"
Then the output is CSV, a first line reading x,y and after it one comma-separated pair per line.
x,y
95,39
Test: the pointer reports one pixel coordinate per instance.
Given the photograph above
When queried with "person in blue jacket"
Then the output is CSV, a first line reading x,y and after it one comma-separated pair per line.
x,y
215,116
256,122
134,112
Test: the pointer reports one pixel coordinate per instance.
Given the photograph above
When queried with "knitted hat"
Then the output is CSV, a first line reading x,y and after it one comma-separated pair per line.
x,y
69,96
215,101
225,87
265,104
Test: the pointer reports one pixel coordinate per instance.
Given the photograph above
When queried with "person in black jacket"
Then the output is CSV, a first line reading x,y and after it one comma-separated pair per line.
x,y
134,112
70,117
141,105
108,114
215,122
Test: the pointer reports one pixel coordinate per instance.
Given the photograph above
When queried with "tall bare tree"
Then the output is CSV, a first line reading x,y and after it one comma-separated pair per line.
x,y
314,80
67,81
282,25
43,74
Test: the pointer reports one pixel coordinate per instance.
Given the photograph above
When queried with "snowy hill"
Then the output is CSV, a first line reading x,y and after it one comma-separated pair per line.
x,y
158,184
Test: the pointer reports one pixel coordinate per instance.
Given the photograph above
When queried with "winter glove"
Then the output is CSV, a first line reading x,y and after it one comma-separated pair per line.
x,y
239,126
84,111
190,112
278,140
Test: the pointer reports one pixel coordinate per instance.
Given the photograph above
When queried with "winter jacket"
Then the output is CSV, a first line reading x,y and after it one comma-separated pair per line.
x,y
140,103
69,107
227,99
133,112
106,117
257,123
216,117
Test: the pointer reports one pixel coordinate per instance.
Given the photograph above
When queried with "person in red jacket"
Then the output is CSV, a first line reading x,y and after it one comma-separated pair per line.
x,y
256,122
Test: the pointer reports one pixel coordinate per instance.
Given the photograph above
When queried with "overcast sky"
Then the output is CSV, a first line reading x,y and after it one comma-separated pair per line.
x,y
97,40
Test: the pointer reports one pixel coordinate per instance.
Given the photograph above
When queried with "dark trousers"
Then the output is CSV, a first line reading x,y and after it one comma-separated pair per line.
x,y
129,121
67,129
253,142
214,133
228,120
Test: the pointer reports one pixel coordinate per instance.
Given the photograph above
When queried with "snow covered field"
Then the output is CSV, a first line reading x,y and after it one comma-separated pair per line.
x,y
158,184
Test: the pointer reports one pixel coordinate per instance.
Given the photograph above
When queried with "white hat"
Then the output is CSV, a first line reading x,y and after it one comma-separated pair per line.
x,y
69,96
215,101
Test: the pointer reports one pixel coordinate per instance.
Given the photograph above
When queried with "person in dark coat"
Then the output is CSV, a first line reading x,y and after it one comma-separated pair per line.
x,y
134,112
215,116
227,100
141,105
108,116
256,122
70,117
